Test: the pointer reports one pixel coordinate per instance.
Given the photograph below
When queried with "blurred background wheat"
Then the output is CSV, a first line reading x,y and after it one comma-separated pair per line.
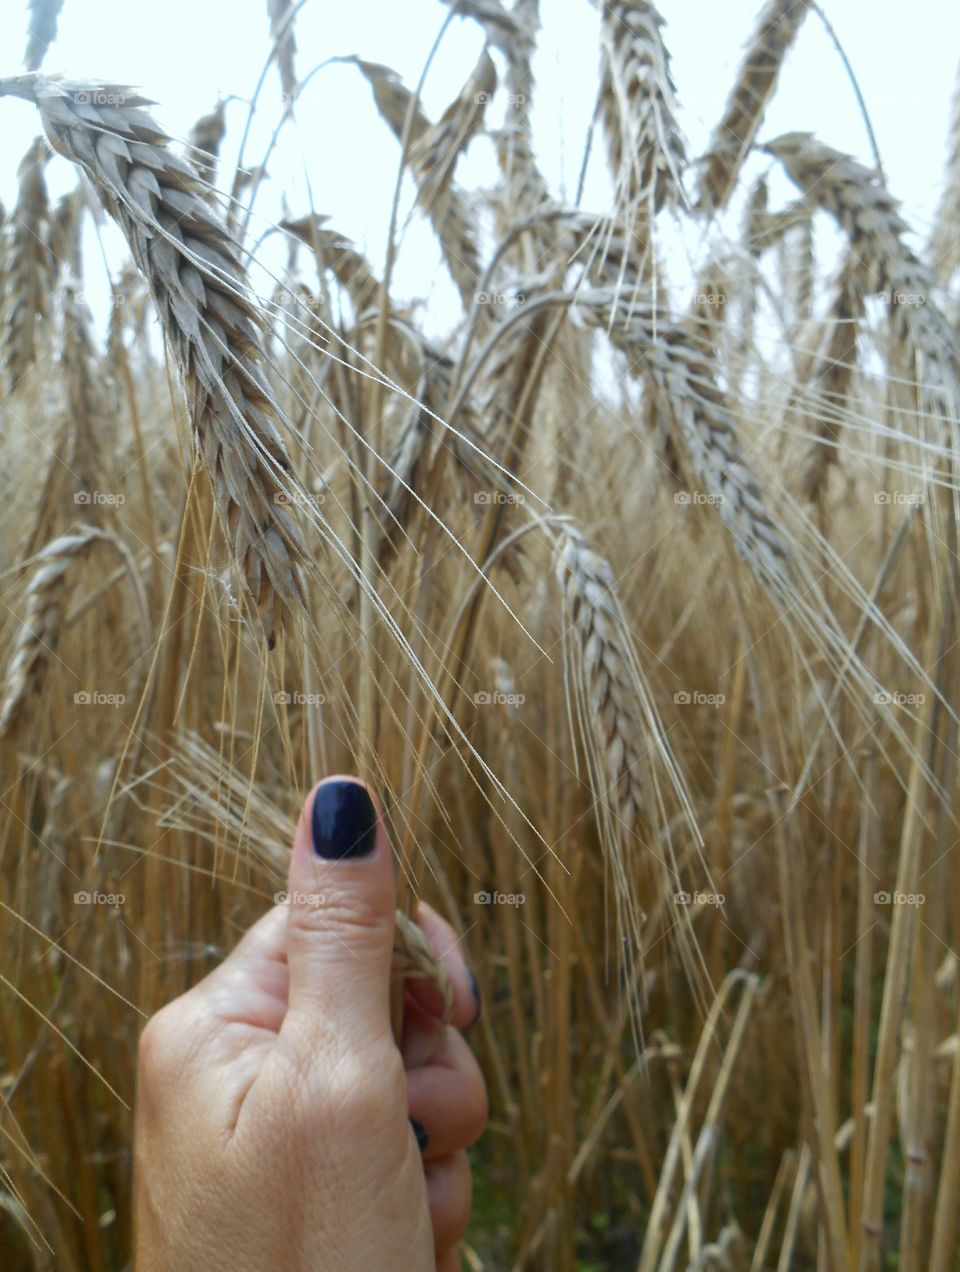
x,y
630,583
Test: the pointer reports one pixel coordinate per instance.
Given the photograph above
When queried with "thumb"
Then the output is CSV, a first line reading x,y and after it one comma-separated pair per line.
x,y
340,923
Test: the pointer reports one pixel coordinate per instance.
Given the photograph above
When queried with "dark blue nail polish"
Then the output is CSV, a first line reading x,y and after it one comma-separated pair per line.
x,y
343,822
475,990
420,1131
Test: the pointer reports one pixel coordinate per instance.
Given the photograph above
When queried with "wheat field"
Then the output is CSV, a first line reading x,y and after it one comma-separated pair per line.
x,y
634,597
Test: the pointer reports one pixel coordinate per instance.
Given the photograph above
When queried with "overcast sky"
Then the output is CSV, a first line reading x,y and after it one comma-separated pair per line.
x,y
183,53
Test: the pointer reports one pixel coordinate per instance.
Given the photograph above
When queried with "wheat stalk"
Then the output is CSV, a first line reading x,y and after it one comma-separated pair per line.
x,y
730,143
44,16
638,105
191,263
824,397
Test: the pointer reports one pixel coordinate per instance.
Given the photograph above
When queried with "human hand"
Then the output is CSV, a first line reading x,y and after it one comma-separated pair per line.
x,y
273,1116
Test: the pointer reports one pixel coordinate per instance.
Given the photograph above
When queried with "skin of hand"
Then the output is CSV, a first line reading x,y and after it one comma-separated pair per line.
x,y
274,1108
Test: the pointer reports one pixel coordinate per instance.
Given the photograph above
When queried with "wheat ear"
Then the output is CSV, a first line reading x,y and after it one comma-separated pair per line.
x,y
775,32
943,248
191,263
28,268
47,595
44,16
281,30
206,138
884,265
638,104
444,204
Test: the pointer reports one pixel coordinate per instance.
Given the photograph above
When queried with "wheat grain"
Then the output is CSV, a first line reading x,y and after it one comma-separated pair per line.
x,y
776,29
191,264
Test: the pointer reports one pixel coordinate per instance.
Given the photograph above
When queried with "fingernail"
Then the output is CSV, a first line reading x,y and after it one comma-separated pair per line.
x,y
343,822
420,1131
475,990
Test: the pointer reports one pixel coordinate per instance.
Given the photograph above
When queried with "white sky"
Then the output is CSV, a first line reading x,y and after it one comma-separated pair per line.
x,y
183,53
